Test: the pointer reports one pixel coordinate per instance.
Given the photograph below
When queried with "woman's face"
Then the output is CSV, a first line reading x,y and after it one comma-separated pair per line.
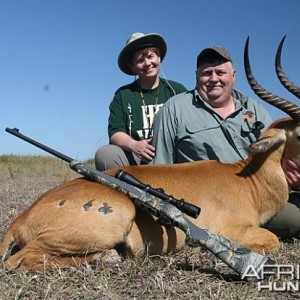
x,y
146,63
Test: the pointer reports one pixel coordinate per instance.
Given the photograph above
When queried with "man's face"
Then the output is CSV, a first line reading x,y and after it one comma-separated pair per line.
x,y
215,81
145,63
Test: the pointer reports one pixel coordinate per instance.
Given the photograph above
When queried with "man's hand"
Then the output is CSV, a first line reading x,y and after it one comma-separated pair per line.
x,y
292,172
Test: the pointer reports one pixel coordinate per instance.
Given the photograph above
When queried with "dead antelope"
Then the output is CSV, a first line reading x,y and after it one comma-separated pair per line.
x,y
82,220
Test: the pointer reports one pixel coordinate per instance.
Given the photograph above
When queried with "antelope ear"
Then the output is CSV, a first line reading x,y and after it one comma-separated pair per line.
x,y
267,140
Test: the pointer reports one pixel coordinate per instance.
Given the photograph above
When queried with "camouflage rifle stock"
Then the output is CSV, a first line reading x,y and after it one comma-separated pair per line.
x,y
231,253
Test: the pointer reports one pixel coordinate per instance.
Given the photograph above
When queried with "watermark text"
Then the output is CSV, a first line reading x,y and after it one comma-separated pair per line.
x,y
279,277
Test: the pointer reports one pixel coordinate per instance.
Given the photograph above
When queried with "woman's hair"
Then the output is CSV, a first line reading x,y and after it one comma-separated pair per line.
x,y
144,52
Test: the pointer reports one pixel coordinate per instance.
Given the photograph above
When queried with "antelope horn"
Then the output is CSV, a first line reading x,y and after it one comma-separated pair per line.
x,y
291,87
286,106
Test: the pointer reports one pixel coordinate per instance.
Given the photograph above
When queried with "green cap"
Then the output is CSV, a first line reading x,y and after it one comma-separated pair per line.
x,y
212,53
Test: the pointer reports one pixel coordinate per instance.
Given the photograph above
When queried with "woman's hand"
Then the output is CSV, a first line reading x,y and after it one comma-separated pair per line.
x,y
144,150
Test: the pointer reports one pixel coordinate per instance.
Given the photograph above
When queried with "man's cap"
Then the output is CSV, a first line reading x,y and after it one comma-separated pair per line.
x,y
211,53
137,41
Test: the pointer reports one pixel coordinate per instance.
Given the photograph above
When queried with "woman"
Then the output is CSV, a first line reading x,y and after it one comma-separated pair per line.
x,y
134,106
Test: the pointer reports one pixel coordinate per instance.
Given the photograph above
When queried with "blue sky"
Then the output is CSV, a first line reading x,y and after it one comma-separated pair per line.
x,y
58,59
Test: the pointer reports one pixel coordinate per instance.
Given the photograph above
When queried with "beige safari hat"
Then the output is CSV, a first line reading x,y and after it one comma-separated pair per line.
x,y
140,40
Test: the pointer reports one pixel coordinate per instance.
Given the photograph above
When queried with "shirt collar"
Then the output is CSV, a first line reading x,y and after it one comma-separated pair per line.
x,y
239,99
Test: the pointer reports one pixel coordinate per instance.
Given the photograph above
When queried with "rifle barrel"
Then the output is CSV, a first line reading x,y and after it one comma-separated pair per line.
x,y
17,133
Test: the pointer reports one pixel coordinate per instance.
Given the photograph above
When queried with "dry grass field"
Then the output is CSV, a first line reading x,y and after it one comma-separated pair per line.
x,y
191,274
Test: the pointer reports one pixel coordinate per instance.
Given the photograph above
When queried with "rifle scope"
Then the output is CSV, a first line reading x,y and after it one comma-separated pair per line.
x,y
185,207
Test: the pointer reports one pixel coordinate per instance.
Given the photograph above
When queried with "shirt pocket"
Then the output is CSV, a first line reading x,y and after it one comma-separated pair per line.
x,y
204,141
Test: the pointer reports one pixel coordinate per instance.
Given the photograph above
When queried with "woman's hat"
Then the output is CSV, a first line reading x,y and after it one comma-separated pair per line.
x,y
140,40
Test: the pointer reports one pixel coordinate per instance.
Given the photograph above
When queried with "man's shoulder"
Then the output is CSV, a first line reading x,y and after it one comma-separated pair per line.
x,y
244,99
181,99
253,105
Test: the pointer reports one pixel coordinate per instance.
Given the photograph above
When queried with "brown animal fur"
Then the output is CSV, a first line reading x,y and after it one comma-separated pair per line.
x,y
75,222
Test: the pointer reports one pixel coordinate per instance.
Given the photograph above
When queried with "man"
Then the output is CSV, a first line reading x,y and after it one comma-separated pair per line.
x,y
215,121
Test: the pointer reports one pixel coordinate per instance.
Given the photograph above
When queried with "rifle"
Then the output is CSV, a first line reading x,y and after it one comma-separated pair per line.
x,y
168,210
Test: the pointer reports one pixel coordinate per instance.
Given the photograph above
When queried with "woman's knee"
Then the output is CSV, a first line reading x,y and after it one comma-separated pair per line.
x,y
110,157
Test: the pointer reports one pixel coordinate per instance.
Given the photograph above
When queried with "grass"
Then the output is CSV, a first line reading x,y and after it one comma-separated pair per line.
x,y
190,274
